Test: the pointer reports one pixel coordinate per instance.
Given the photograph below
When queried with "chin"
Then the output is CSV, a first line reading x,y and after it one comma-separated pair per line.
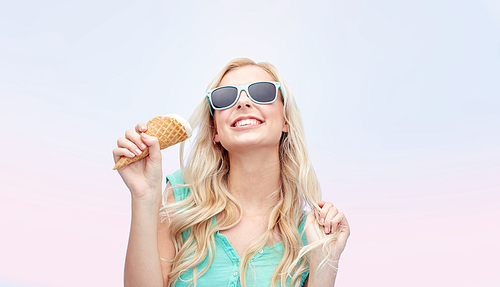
x,y
250,144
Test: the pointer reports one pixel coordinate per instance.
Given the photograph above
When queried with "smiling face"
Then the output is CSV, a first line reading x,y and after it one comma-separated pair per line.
x,y
247,124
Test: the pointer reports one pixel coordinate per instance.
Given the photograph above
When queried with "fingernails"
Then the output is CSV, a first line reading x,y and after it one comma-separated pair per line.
x,y
144,135
143,128
143,146
327,229
138,151
322,220
131,154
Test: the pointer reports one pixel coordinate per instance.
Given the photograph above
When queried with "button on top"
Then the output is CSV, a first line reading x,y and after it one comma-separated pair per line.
x,y
235,274
261,251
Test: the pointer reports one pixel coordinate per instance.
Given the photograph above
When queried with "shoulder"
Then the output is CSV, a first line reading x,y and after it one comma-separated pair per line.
x,y
179,187
175,178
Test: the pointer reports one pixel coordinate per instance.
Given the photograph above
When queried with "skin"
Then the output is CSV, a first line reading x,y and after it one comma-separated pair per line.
x,y
253,177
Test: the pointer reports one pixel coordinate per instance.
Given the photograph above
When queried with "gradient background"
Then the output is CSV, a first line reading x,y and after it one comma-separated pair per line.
x,y
400,105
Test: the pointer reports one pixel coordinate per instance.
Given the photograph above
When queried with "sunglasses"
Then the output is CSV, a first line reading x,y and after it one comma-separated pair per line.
x,y
262,93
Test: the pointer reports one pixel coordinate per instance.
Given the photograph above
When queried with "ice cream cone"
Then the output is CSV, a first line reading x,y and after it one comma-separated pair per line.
x,y
170,129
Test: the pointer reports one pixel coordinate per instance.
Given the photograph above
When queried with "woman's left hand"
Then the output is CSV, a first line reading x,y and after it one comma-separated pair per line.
x,y
330,221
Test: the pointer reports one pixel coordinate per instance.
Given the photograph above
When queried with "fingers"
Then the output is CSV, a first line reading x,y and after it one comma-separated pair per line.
x,y
141,128
325,215
329,217
135,138
133,142
336,222
131,145
119,152
154,146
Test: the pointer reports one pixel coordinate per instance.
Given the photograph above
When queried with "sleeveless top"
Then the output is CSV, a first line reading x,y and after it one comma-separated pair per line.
x,y
224,270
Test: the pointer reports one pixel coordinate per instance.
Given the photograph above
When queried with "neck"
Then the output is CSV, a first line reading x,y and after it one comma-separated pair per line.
x,y
254,179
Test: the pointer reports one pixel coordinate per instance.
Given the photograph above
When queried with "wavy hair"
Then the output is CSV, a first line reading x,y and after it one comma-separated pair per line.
x,y
206,175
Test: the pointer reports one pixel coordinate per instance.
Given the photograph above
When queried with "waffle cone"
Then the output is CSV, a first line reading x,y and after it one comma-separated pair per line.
x,y
169,131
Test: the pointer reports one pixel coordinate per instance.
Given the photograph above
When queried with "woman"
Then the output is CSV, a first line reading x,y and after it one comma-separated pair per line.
x,y
234,215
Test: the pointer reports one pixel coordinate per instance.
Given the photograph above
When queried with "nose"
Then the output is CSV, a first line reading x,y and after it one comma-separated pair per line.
x,y
243,101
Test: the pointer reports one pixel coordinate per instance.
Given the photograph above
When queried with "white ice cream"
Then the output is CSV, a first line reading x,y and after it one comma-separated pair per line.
x,y
183,122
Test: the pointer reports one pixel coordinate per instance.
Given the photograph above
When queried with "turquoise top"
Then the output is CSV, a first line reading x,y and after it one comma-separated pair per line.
x,y
224,270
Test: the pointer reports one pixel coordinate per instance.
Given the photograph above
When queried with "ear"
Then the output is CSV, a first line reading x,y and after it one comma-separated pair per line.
x,y
286,127
216,134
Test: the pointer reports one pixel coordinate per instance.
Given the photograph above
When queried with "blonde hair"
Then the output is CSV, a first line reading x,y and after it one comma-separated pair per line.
x,y
205,174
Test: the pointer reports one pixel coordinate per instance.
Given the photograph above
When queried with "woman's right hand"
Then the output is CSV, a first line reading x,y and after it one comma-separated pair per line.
x,y
143,177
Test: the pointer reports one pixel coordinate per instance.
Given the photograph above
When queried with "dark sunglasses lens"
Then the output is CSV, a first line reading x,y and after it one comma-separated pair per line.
x,y
224,97
262,92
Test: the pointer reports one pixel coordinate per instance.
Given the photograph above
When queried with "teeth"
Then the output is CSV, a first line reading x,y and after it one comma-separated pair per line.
x,y
246,123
